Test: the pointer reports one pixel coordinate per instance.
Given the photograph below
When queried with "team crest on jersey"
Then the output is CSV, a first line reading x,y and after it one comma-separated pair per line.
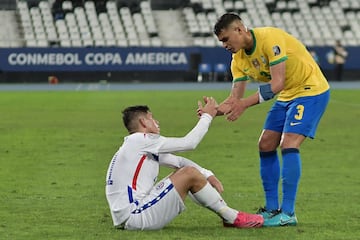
x,y
276,50
256,63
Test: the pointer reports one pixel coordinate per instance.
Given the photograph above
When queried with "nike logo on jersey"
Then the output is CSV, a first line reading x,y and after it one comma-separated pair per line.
x,y
246,69
294,123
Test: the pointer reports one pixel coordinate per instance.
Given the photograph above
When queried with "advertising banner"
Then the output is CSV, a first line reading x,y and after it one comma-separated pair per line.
x,y
95,59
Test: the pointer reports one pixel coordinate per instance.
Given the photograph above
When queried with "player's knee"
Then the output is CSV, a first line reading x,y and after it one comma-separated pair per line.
x,y
267,144
191,171
192,174
292,140
188,179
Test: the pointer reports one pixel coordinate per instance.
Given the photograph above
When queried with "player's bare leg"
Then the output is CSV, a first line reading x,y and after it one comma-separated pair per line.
x,y
269,140
190,179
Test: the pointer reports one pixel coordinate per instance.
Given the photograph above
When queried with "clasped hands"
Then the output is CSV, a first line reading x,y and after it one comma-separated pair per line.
x,y
231,107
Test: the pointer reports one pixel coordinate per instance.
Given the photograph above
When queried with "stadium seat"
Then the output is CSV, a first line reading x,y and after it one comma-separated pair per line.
x,y
122,42
229,6
22,5
76,42
204,72
220,72
31,43
67,6
199,41
209,41
155,42
87,42
65,43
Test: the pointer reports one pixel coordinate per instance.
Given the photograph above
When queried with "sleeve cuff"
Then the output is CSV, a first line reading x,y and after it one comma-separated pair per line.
x,y
207,116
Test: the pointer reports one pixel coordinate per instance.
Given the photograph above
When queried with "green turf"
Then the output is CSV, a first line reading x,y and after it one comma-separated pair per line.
x,y
56,146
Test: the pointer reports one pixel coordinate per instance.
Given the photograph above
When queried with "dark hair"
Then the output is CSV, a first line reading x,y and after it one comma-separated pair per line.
x,y
131,113
224,21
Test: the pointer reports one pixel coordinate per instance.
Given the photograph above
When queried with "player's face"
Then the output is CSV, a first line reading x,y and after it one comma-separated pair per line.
x,y
152,124
233,38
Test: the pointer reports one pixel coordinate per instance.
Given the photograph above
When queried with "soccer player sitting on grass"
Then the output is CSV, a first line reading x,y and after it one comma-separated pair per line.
x,y
137,202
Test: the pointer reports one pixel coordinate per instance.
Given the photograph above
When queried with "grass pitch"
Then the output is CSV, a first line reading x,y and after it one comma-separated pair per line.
x,y
56,147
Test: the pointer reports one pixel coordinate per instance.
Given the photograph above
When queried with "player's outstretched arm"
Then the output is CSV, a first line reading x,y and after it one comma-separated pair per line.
x,y
193,138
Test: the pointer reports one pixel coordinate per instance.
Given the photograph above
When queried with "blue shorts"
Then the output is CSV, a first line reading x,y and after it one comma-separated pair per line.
x,y
301,115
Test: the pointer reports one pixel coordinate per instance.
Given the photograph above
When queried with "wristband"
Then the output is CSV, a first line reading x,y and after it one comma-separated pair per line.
x,y
265,93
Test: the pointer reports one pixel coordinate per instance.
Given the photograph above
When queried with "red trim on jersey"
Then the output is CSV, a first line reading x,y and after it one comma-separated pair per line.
x,y
137,171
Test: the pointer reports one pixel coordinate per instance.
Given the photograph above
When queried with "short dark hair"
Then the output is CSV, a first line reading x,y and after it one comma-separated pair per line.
x,y
131,113
224,21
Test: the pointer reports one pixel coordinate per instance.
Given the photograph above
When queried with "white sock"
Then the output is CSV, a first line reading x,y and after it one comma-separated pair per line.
x,y
210,198
191,195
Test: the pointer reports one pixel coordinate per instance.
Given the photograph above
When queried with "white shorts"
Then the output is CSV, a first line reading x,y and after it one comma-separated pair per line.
x,y
157,209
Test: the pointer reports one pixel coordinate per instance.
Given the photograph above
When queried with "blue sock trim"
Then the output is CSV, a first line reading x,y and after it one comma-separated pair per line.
x,y
290,150
267,154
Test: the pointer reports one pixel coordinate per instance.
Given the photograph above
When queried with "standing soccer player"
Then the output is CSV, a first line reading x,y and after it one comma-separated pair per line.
x,y
277,58
137,201
339,60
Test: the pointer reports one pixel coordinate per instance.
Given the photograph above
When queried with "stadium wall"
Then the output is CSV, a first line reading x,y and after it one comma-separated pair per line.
x,y
130,64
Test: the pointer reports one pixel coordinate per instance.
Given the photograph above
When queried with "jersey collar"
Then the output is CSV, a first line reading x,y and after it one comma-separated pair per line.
x,y
254,45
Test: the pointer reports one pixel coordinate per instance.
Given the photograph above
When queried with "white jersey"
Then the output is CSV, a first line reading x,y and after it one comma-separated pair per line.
x,y
134,169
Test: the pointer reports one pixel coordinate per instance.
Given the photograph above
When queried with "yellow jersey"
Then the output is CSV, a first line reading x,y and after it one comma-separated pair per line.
x,y
272,46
